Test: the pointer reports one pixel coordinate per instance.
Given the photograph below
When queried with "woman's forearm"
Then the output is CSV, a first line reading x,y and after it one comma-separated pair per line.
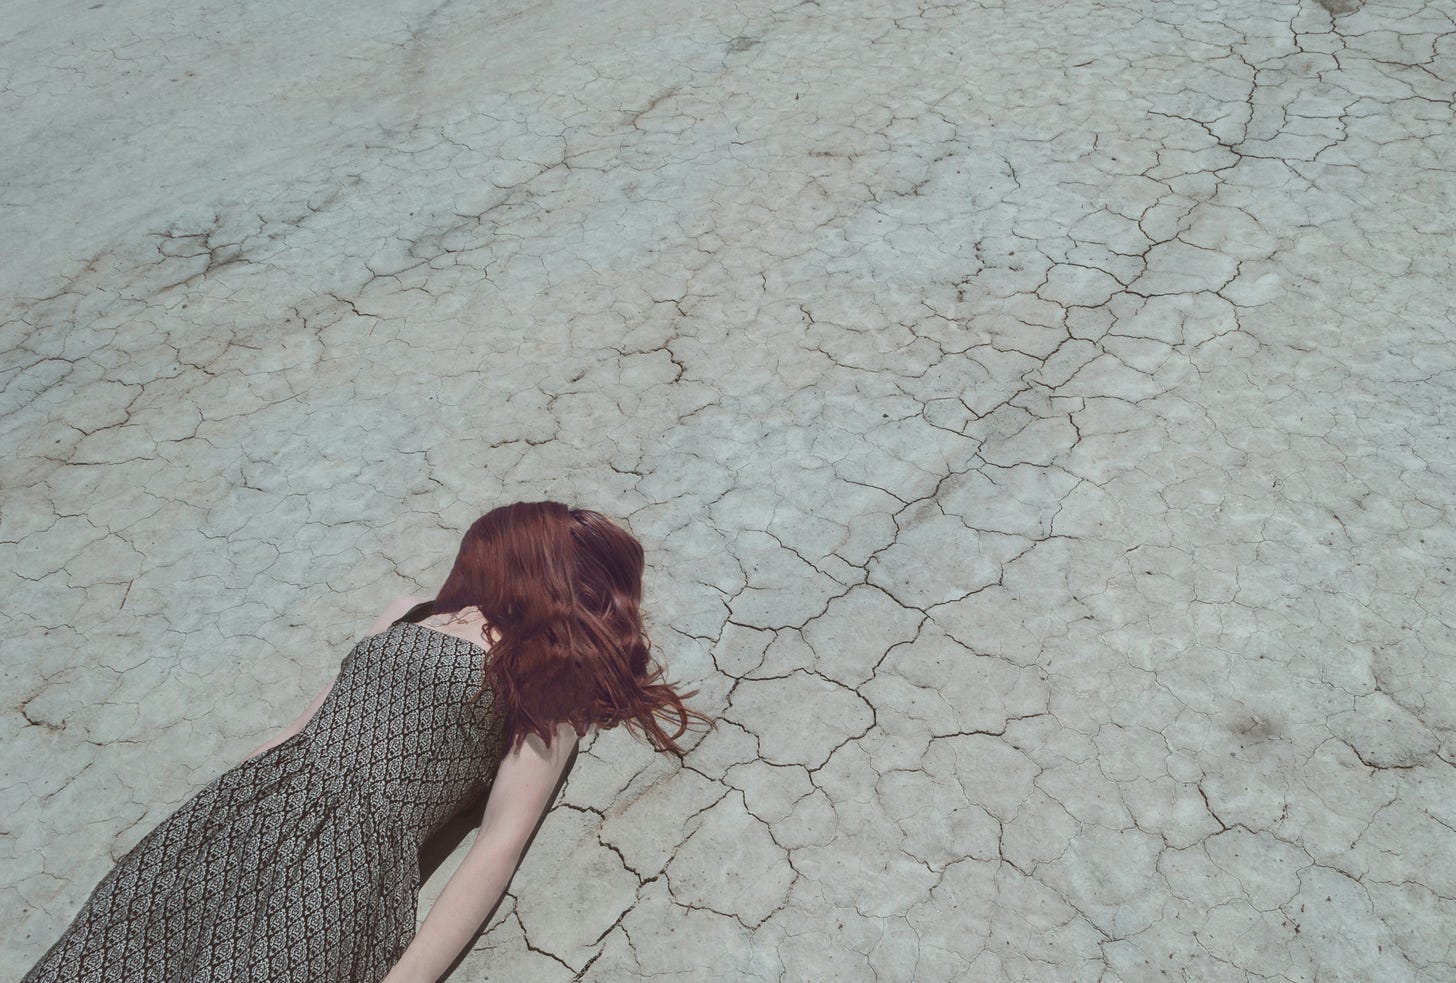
x,y
467,898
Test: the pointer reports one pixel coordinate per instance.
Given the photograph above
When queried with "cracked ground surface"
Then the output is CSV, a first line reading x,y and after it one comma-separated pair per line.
x,y
1037,417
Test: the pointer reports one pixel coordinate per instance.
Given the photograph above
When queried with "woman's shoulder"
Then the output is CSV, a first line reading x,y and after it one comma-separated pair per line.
x,y
395,610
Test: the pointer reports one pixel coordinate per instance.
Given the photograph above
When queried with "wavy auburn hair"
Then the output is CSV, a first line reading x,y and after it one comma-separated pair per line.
x,y
563,586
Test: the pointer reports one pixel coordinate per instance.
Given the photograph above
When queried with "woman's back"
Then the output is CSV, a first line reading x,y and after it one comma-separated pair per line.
x,y
302,863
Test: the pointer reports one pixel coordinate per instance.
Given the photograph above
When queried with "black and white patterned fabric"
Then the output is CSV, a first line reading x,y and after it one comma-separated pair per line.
x,y
302,864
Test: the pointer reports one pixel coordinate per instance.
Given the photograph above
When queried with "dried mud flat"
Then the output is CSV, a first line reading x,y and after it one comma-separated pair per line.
x,y
1037,417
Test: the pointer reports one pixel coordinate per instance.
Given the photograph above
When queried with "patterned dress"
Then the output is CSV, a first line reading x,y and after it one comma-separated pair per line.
x,y
301,864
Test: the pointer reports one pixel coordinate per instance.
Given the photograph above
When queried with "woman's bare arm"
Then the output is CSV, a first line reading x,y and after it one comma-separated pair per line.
x,y
520,794
297,724
395,610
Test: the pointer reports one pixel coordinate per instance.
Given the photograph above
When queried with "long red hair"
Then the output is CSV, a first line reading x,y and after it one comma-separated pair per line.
x,y
563,587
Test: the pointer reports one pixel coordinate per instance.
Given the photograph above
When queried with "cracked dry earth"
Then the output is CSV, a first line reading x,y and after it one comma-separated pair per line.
x,y
1036,415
